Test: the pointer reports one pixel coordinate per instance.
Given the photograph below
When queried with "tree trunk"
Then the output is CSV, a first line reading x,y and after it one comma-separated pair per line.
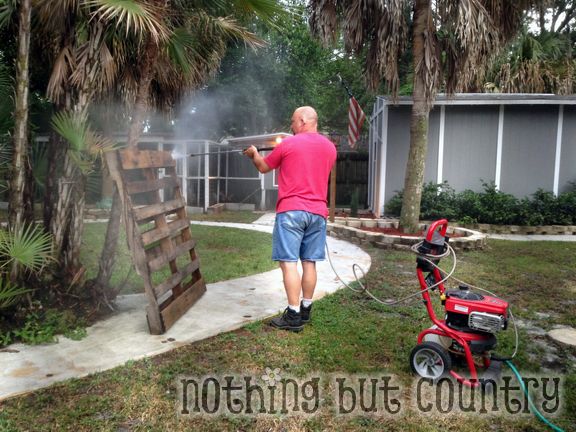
x,y
60,223
67,223
72,252
413,181
17,183
107,258
106,265
55,150
29,191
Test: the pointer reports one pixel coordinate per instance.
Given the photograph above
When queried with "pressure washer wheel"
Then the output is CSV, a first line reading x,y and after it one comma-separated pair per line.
x,y
430,360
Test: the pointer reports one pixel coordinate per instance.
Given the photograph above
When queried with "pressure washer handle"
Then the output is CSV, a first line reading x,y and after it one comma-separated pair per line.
x,y
260,149
442,224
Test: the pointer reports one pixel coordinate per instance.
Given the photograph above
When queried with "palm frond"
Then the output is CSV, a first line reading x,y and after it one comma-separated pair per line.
x,y
30,247
230,28
5,161
85,144
5,81
73,128
135,16
7,11
269,11
180,44
64,64
98,144
9,293
6,92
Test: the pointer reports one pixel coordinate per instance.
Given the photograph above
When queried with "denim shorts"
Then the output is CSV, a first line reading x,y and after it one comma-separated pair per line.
x,y
299,235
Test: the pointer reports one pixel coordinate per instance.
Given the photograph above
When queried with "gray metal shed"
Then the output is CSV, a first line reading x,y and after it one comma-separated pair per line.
x,y
521,142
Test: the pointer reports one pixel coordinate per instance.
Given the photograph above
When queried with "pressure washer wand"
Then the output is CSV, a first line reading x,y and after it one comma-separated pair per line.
x,y
229,151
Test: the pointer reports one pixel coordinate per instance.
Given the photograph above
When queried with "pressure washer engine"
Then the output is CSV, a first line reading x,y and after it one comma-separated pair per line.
x,y
472,320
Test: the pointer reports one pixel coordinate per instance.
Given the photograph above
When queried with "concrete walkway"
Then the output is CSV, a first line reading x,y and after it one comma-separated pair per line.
x,y
533,237
124,336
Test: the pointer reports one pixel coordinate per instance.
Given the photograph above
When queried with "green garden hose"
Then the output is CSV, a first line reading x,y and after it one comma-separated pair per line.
x,y
534,409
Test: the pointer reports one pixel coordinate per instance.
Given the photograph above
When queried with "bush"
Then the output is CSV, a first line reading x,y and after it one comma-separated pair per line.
x,y
354,203
492,206
438,201
394,205
44,327
497,207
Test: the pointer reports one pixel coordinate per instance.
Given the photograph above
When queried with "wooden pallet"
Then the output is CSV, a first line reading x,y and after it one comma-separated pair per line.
x,y
158,233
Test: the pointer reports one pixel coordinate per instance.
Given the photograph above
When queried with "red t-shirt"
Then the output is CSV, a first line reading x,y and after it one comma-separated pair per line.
x,y
304,162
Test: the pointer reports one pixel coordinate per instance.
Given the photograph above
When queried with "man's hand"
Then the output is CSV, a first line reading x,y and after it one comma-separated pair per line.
x,y
257,160
251,152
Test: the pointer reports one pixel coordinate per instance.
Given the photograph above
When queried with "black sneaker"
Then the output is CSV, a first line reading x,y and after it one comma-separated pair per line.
x,y
289,320
306,313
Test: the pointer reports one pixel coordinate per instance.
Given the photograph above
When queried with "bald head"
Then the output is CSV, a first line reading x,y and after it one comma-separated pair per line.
x,y
304,119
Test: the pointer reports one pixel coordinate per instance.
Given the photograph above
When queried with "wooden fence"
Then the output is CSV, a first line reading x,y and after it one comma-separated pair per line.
x,y
352,174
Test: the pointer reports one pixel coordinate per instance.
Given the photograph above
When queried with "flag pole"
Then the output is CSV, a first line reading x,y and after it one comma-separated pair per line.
x,y
344,85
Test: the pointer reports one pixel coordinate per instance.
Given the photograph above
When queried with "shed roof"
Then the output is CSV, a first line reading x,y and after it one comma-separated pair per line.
x,y
490,99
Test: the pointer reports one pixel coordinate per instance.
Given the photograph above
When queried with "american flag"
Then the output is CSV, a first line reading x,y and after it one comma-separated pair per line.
x,y
356,119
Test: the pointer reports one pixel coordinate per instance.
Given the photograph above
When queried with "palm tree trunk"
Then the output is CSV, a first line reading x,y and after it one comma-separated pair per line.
x,y
17,183
107,260
29,191
414,178
72,252
60,223
55,146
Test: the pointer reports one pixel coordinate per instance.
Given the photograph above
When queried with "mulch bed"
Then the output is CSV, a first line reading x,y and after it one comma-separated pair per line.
x,y
361,214
397,232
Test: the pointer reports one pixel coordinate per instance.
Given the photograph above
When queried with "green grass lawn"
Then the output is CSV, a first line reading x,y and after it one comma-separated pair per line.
x,y
222,251
349,334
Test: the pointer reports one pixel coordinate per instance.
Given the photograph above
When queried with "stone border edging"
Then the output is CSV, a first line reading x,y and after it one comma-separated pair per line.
x,y
521,229
350,229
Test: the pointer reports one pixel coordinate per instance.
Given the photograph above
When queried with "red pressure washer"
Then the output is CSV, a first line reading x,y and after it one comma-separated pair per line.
x,y
471,322
467,333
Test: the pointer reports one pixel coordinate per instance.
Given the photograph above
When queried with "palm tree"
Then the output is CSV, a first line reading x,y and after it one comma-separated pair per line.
x,y
163,70
17,184
540,59
451,43
86,45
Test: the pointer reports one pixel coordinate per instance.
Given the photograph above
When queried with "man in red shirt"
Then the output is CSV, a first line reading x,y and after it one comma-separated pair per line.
x,y
304,162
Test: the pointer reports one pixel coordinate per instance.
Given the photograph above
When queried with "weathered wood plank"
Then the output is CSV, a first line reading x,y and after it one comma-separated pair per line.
x,y
158,262
137,159
143,186
181,304
172,230
158,209
153,316
136,172
176,278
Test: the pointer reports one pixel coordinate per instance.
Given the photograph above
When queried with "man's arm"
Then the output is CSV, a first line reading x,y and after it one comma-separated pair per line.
x,y
252,153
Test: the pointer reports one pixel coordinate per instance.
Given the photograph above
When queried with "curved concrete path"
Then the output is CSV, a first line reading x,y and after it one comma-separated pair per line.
x,y
124,336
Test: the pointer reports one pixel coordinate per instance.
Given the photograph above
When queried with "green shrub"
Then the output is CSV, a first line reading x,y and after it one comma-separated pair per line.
x,y
438,201
567,207
469,206
497,207
394,205
354,203
467,220
492,206
43,328
5,338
